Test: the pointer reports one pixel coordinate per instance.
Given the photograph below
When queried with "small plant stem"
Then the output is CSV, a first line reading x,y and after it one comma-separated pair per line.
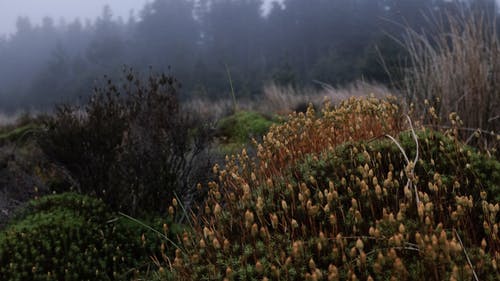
x,y
466,255
150,228
235,107
416,156
184,211
410,174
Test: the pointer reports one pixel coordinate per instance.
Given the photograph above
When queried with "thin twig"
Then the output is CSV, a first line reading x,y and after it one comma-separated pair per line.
x,y
409,184
416,157
466,255
400,148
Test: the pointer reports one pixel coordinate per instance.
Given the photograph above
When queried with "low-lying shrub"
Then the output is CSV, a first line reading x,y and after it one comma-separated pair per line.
x,y
73,237
330,198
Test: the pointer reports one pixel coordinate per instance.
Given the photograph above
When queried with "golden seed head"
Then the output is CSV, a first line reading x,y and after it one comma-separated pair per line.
x,y
216,243
483,195
259,267
371,231
269,182
249,218
259,205
401,228
428,220
353,252
206,232
255,230
362,257
354,203
483,244
284,205
326,208
312,264
274,220
227,245
333,219
217,209
319,247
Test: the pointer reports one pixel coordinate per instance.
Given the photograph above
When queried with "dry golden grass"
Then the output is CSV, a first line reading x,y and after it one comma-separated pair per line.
x,y
457,69
286,99
283,100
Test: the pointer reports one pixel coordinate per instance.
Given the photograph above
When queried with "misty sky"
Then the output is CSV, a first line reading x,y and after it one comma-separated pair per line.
x,y
10,10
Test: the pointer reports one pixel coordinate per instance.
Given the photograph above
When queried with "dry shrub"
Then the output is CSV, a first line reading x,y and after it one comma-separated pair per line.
x,y
131,144
457,69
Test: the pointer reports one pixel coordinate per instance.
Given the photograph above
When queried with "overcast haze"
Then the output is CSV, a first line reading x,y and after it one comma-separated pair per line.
x,y
10,10
36,10
336,42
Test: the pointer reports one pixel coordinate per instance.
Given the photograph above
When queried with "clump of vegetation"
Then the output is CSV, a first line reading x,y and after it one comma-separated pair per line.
x,y
19,129
73,237
457,69
330,198
242,126
305,133
130,145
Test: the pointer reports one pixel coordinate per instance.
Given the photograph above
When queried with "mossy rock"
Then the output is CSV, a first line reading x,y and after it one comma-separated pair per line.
x,y
72,237
242,126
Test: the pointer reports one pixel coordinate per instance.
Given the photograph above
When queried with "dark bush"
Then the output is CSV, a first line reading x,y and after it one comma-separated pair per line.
x,y
130,145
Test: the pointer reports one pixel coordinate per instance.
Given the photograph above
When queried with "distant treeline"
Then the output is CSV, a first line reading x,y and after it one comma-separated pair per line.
x,y
204,43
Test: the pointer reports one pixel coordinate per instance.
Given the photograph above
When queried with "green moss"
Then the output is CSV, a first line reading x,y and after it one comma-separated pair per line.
x,y
17,133
72,237
240,127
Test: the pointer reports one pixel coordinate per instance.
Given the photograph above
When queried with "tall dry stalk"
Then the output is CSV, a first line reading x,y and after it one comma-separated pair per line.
x,y
457,69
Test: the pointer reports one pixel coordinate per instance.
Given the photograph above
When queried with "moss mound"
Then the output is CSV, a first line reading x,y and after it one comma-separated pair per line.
x,y
71,237
240,127
351,210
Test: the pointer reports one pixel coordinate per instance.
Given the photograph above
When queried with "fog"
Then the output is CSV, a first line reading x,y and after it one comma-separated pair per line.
x,y
53,51
68,10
